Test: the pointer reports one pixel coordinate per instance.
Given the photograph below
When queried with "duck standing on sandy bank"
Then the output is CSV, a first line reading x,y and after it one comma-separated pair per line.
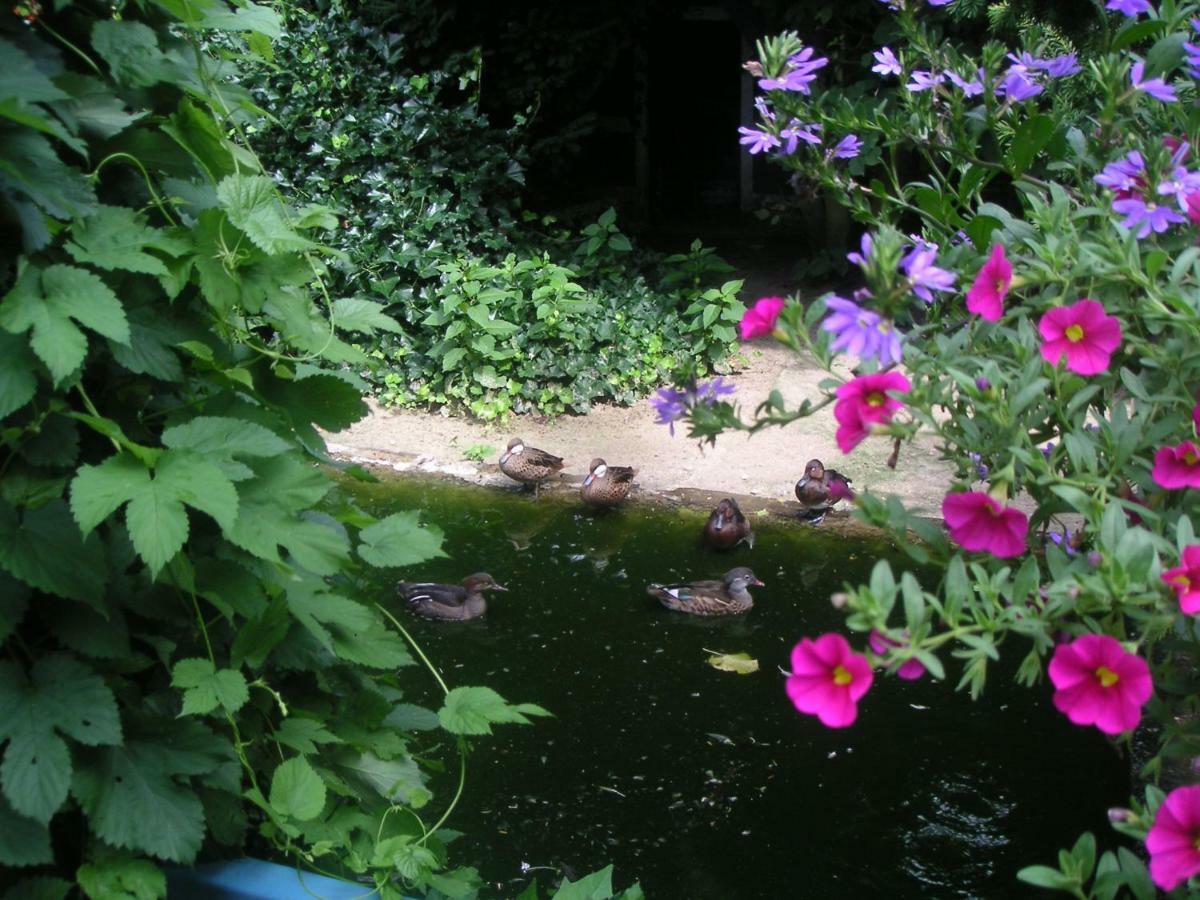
x,y
606,485
727,527
727,597
449,601
529,465
819,490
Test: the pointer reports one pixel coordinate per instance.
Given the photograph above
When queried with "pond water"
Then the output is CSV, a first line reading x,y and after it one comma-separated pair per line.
x,y
705,784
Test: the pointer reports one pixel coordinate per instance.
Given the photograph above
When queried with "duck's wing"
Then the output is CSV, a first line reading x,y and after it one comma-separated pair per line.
x,y
688,592
839,485
811,492
422,593
621,474
542,458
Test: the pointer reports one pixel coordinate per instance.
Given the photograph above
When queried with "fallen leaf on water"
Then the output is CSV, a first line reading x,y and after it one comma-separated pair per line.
x,y
732,662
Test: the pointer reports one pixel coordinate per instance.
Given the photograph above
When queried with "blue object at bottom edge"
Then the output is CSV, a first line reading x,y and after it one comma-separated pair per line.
x,y
256,879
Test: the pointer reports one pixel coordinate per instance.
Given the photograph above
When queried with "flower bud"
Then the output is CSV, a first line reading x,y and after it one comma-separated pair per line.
x,y
1095,558
839,600
1119,814
983,384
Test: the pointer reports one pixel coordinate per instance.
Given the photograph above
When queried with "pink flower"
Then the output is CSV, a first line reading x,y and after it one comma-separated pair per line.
x,y
882,645
986,296
1174,839
828,679
1185,579
1177,467
864,402
760,318
1083,332
1192,201
978,521
1099,683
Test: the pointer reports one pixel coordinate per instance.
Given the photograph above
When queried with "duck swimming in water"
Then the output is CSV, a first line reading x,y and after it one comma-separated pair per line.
x,y
529,465
727,527
606,485
819,490
449,601
727,597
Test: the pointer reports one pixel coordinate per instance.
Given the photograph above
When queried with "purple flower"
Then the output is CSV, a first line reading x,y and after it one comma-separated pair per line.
x,y
1155,87
939,2
1181,183
672,405
886,62
921,80
861,259
1145,217
796,132
709,392
923,275
861,332
1130,7
1062,541
981,470
1060,66
1125,174
800,72
1047,450
1017,85
847,148
971,88
983,384
764,109
758,141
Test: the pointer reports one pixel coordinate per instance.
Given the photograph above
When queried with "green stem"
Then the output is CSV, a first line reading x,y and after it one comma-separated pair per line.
x,y
91,408
416,647
158,201
70,46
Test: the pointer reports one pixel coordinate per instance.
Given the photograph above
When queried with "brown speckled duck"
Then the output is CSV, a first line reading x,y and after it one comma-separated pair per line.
x,y
727,597
449,601
606,485
727,527
819,490
528,465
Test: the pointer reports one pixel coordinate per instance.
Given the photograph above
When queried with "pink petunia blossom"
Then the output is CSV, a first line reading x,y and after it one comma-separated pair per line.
x,y
1083,332
1185,579
911,670
864,402
1177,467
828,679
979,522
1174,839
760,318
986,296
1100,683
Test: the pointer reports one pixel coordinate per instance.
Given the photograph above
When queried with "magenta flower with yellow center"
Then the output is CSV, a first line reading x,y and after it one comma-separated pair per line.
x,y
828,679
1185,579
760,318
981,523
865,402
1098,682
1177,467
986,296
1083,332
1174,839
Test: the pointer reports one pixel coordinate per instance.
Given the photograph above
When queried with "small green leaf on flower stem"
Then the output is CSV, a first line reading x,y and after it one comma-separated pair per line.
x,y
1046,877
205,687
123,878
400,540
741,663
297,791
473,710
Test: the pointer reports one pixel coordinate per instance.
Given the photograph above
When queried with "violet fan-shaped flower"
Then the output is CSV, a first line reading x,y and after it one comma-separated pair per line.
x,y
1129,8
1144,218
923,80
847,148
972,88
756,140
1124,176
923,276
1155,87
886,62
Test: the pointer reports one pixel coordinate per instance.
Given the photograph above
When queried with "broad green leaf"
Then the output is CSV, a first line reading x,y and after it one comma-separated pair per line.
x,y
252,205
94,106
29,167
303,735
400,540
14,603
297,791
1046,877
18,383
157,523
325,400
60,693
23,842
318,544
473,710
409,717
457,884
247,17
122,879
36,774
410,860
741,663
257,637
99,491
375,647
40,888
596,886
131,50
115,237
33,550
205,687
396,780
365,316
224,435
133,803
21,79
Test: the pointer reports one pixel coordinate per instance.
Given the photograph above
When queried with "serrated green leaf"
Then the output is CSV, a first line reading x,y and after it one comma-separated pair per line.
x,y
133,803
303,735
409,717
116,237
411,861
40,888
365,316
297,791
99,491
157,523
33,549
60,693
122,879
23,842
396,780
595,886
473,710
21,79
205,687
29,167
36,774
400,540
224,435
18,383
251,203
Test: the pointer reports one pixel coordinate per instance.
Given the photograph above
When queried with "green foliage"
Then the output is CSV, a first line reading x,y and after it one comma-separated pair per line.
x,y
491,315
178,610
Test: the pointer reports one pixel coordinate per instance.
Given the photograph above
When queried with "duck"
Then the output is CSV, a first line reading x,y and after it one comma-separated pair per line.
x,y
606,485
528,465
449,601
819,490
727,597
727,527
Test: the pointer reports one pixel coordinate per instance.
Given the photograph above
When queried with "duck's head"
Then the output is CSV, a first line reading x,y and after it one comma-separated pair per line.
x,y
515,448
725,512
737,580
814,469
595,470
482,581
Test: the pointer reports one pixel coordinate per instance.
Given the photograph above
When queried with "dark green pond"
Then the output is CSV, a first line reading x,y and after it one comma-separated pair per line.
x,y
705,784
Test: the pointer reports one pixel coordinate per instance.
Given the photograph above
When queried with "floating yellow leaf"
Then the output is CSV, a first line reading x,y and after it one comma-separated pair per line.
x,y
741,663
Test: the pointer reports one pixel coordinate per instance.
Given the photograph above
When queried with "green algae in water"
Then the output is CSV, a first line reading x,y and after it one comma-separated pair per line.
x,y
704,784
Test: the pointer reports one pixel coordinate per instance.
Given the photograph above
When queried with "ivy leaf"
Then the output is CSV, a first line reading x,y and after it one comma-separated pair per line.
x,y
33,550
122,879
133,803
17,380
116,237
49,302
23,842
473,710
297,791
400,540
252,204
205,687
223,435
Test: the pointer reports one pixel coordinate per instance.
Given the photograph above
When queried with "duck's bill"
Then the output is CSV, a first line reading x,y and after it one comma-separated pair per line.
x,y
504,458
588,480
499,587
757,583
